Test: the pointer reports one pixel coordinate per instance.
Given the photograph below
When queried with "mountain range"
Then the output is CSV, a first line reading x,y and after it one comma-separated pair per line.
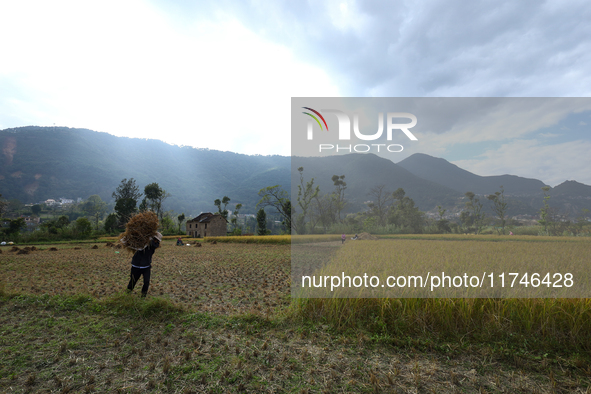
x,y
38,163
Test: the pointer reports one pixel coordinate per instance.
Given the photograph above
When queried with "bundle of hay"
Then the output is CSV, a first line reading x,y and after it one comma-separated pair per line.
x,y
140,229
367,236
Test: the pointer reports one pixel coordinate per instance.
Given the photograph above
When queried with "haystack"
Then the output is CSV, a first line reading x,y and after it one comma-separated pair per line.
x,y
140,229
367,236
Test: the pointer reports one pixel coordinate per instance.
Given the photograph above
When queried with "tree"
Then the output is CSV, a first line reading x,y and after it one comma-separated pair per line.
x,y
466,220
3,206
442,223
324,210
404,214
475,208
111,223
234,219
15,226
261,222
166,223
380,204
95,207
82,227
143,205
545,210
125,208
54,226
180,219
340,186
499,206
305,195
62,222
154,198
126,197
581,221
127,189
222,211
277,198
36,209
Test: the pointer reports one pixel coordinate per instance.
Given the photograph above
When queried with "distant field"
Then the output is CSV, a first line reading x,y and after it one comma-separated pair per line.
x,y
450,266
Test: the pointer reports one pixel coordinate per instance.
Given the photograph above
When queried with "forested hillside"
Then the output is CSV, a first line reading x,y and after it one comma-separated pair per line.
x,y
38,163
51,162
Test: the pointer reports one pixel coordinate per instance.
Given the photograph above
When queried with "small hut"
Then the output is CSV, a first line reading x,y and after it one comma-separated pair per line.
x,y
207,225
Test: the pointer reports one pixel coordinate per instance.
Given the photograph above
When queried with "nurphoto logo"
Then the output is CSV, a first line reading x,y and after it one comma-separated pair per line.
x,y
344,132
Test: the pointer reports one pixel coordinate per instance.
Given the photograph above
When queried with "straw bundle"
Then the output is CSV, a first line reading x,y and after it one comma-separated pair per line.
x,y
367,236
139,230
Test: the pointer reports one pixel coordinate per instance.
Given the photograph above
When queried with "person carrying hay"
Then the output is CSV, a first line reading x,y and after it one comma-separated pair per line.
x,y
141,264
142,238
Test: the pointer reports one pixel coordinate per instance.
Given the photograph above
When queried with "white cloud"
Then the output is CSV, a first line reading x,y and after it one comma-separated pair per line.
x,y
126,69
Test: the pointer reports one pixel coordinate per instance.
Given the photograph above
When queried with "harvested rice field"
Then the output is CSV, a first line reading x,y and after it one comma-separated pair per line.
x,y
223,278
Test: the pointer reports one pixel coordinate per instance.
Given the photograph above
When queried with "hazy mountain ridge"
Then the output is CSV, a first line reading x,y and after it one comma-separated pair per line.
x,y
524,195
445,173
52,162
47,162
365,171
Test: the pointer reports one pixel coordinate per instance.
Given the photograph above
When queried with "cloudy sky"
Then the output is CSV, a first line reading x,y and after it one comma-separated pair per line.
x,y
221,74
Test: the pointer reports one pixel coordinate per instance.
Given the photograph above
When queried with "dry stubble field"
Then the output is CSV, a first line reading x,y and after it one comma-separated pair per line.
x,y
234,333
223,278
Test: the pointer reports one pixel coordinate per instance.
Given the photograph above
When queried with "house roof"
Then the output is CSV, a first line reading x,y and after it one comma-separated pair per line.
x,y
205,217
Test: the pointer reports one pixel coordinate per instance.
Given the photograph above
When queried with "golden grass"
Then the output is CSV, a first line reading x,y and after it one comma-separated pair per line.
x,y
552,263
560,322
510,313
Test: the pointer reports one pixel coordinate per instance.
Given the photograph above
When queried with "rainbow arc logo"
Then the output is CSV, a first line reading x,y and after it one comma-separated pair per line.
x,y
315,118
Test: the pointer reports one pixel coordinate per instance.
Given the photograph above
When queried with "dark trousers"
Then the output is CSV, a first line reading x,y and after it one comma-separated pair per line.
x,y
135,276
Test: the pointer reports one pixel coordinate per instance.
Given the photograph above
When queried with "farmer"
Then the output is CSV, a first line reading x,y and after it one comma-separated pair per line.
x,y
141,262
343,237
179,242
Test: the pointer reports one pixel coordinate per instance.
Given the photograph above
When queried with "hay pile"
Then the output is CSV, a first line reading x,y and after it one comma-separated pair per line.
x,y
139,230
367,236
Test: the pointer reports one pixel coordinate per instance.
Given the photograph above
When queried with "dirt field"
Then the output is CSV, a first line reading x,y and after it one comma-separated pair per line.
x,y
225,278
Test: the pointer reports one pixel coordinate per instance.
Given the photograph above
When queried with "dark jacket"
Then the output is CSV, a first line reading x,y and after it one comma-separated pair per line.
x,y
143,258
